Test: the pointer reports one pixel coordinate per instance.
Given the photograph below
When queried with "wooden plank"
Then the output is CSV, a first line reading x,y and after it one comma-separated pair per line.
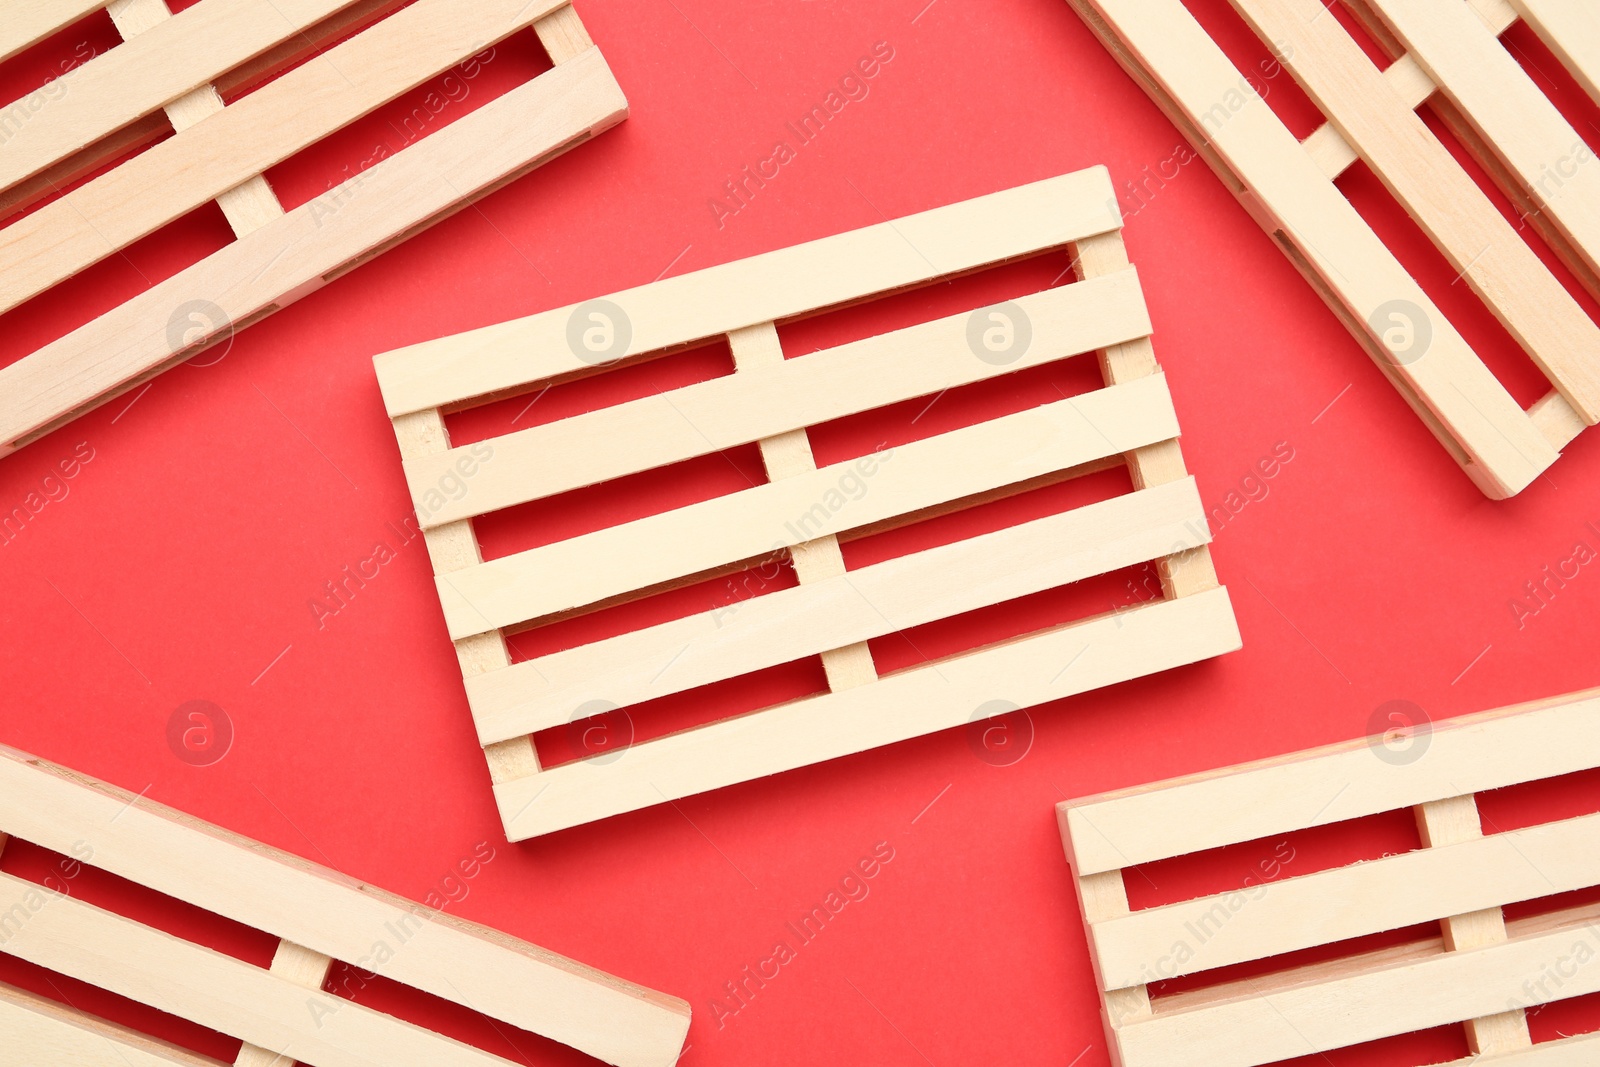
x,y
28,24
223,153
843,496
302,967
869,602
1026,671
1427,181
789,455
337,916
758,402
1332,784
43,1032
1571,29
1407,889
1580,1051
357,219
772,287
214,989
171,59
1365,1005
1161,44
1493,94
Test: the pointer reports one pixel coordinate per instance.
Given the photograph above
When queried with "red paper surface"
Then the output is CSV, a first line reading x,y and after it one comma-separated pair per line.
x,y
183,559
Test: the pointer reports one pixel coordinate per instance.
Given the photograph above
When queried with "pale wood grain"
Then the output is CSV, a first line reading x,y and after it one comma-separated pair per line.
x,y
772,287
763,402
304,968
1026,671
871,601
28,23
336,916
1571,29
750,523
46,1034
1344,781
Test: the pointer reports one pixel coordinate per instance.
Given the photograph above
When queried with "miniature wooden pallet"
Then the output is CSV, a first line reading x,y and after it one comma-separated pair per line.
x,y
1482,972
175,62
772,400
1452,56
281,1014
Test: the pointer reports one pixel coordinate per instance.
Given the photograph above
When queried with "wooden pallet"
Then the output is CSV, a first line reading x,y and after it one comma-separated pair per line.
x,y
174,64
281,1014
1452,61
1483,971
772,400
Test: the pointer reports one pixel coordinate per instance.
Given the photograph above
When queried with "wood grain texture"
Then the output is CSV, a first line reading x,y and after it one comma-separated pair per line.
x,y
843,496
1286,190
1026,671
832,612
1571,29
220,153
763,401
300,250
28,24
44,1033
772,287
325,913
169,59
1463,223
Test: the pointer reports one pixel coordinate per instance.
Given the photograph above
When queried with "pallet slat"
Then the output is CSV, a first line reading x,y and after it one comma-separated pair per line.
x,y
336,916
1483,973
191,49
745,525
1026,672
771,287
297,252
1287,187
802,513
28,24
229,147
812,618
1571,29
737,409
43,1032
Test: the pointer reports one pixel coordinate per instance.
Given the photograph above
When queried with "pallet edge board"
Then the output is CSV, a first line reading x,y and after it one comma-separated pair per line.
x,y
331,913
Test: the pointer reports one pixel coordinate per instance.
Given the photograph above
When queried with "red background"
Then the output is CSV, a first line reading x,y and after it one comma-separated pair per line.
x,y
181,563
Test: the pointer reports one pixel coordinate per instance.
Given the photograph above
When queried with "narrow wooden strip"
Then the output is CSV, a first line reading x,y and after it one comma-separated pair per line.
x,y
1425,178
1571,29
302,967
1188,571
337,916
1327,785
874,600
1190,77
789,455
1454,821
1333,154
562,34
764,401
1366,1005
216,990
172,58
338,230
1580,1051
844,496
1555,419
44,1033
771,287
1269,919
451,548
1103,897
1026,672
1501,103
1523,129
29,23
220,153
